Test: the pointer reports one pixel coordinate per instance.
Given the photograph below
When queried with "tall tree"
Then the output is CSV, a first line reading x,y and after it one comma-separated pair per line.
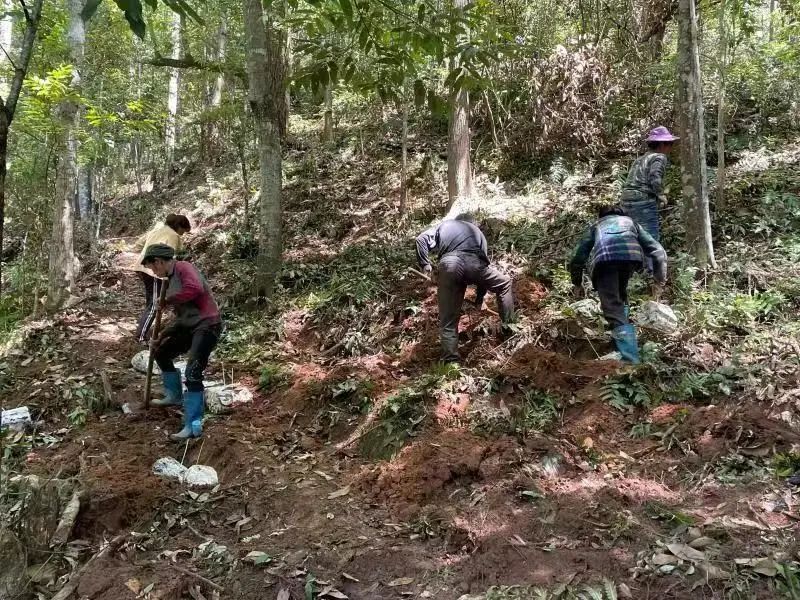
x,y
722,60
266,69
459,163
173,91
327,125
61,278
693,146
222,45
6,39
8,105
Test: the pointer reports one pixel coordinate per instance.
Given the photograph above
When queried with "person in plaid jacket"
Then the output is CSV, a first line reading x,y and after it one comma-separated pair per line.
x,y
610,252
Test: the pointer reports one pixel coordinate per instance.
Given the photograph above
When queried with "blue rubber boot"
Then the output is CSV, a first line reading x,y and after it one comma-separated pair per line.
x,y
625,341
193,405
173,390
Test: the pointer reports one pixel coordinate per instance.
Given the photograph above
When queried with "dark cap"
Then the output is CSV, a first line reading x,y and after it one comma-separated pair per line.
x,y
154,251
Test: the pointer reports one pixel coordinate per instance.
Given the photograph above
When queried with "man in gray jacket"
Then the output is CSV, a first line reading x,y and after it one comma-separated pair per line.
x,y
463,261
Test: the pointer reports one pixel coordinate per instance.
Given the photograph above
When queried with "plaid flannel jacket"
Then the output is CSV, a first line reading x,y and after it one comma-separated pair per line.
x,y
616,239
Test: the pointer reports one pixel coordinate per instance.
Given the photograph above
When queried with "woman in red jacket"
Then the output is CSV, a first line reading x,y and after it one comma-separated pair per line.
x,y
195,329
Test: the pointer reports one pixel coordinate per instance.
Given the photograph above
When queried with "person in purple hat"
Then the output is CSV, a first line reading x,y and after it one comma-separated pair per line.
x,y
644,188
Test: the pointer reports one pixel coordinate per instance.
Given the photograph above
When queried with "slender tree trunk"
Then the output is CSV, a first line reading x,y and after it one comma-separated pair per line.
x,y
693,146
222,45
327,127
61,278
459,165
771,19
173,93
6,40
8,104
404,161
267,88
722,65
289,62
84,195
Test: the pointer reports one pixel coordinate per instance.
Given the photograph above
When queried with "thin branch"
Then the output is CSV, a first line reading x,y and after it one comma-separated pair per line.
x,y
25,10
190,62
11,60
28,39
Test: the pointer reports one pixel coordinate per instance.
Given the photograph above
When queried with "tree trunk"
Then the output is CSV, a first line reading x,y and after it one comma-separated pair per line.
x,y
327,127
173,93
84,195
8,104
771,19
404,159
61,277
267,88
459,165
722,65
693,146
6,39
222,45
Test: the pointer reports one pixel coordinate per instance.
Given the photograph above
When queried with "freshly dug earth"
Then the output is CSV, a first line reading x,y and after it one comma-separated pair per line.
x,y
453,513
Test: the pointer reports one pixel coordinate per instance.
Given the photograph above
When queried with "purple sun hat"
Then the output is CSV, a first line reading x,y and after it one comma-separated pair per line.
x,y
661,134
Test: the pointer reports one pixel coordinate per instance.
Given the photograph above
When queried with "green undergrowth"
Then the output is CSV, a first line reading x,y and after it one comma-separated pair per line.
x,y
403,413
605,590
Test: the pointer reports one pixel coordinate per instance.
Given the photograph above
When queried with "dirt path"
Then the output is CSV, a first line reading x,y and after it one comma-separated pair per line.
x,y
459,509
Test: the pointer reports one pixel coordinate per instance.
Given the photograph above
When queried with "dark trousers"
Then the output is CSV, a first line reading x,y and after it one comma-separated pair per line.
x,y
610,279
152,289
456,272
199,341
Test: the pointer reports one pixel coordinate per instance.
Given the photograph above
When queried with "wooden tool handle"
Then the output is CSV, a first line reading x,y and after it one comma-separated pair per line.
x,y
156,330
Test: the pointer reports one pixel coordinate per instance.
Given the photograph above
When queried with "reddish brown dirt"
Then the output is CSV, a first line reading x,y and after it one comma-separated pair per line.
x,y
556,372
424,470
449,510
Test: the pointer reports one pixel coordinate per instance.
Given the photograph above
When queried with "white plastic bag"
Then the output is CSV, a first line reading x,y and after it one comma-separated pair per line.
x,y
170,468
16,418
200,476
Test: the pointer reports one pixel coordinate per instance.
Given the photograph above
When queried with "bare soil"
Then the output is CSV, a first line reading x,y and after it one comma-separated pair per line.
x,y
454,512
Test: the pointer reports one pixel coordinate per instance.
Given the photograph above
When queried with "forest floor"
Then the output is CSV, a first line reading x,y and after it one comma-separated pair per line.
x,y
364,470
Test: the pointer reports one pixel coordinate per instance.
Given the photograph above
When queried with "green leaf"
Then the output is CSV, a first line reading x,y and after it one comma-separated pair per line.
x,y
310,587
90,9
182,7
363,38
347,9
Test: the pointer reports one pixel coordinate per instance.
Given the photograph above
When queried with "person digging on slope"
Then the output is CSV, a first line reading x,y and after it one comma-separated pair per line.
x,y
195,329
463,261
170,233
610,252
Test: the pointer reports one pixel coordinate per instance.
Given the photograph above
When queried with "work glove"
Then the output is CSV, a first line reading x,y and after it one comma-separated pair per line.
x,y
427,269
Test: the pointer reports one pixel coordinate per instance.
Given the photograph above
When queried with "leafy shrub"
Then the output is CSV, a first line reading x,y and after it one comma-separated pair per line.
x,y
355,394
625,393
272,377
786,464
538,412
398,421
